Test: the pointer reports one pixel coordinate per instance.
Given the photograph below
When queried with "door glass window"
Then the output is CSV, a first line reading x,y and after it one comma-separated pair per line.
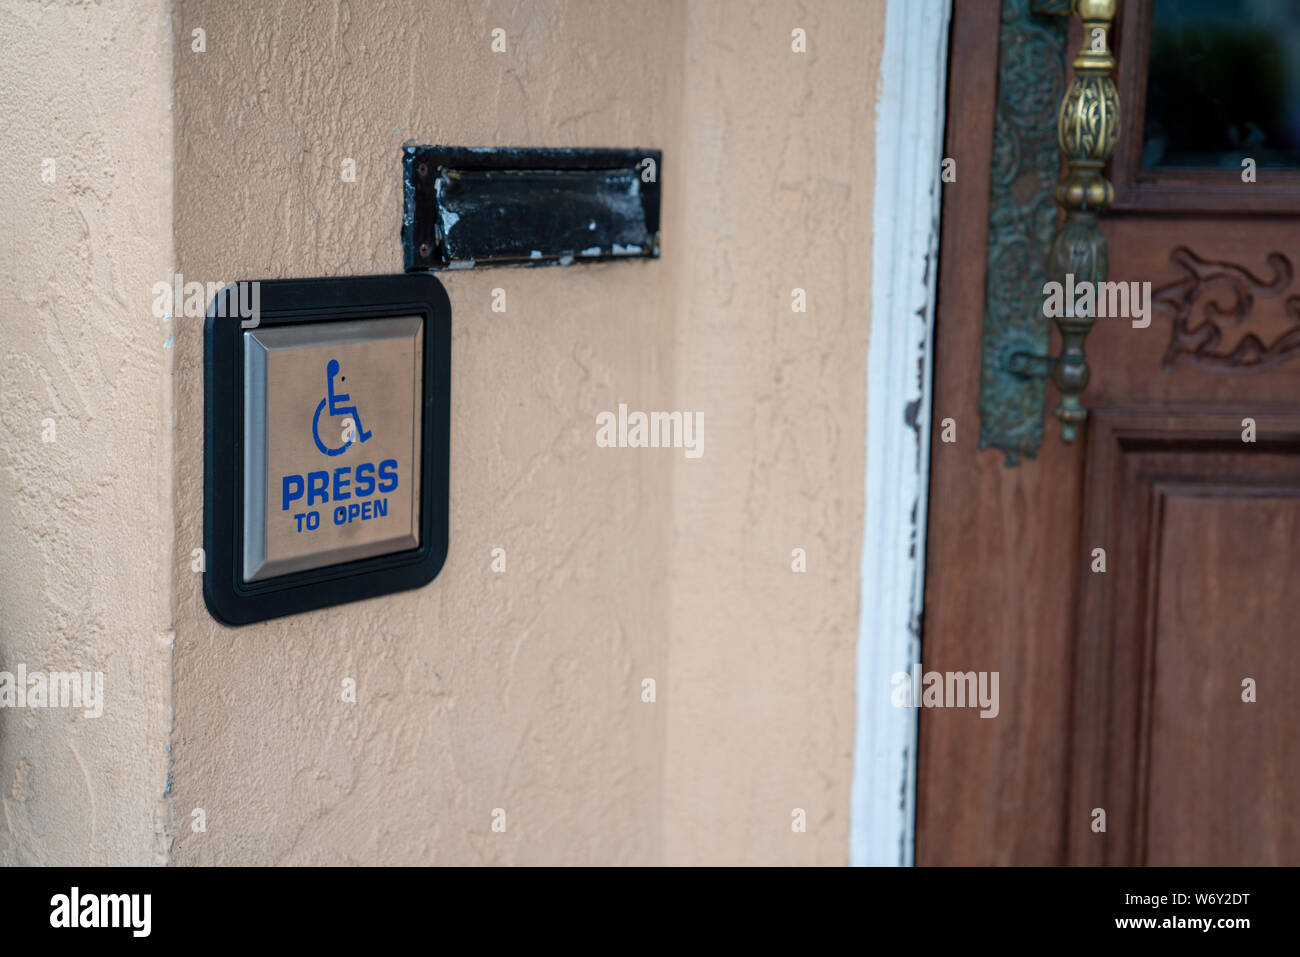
x,y
1223,84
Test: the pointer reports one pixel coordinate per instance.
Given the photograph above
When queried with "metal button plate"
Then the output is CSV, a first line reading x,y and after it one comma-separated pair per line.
x,y
331,443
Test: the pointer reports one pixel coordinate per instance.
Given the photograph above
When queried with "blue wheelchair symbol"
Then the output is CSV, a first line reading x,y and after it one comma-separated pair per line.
x,y
334,400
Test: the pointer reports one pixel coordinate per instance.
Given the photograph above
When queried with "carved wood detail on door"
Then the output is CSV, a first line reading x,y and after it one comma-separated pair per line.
x,y
1216,325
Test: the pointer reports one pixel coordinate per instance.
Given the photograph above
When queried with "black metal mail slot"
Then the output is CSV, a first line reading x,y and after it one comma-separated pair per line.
x,y
468,207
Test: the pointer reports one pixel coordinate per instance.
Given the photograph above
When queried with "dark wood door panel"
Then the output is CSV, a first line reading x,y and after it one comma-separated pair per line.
x,y
1120,690
1200,531
1221,773
990,791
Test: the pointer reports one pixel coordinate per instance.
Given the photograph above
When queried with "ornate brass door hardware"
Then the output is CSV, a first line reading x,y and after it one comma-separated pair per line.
x,y
1025,250
1087,129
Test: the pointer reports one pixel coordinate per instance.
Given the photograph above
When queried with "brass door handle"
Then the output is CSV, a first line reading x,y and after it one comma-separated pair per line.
x,y
1087,128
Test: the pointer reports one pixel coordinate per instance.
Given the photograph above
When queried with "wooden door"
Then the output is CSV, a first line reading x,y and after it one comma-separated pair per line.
x,y
1128,690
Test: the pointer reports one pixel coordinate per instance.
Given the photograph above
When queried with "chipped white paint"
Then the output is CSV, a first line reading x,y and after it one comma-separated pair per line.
x,y
905,235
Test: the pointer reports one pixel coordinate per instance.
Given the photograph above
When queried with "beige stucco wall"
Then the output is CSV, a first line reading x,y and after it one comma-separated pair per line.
x,y
85,497
519,690
776,177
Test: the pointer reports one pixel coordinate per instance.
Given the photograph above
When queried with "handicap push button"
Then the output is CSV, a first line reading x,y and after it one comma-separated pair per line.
x,y
326,442
332,437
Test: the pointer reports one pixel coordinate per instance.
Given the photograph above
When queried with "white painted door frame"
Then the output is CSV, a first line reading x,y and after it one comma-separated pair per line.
x,y
904,273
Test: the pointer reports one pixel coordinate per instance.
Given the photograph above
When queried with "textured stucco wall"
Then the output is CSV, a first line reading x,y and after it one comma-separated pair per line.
x,y
519,690
777,175
522,690
85,517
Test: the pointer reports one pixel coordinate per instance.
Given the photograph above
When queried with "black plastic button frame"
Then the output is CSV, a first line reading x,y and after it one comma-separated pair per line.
x,y
286,302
